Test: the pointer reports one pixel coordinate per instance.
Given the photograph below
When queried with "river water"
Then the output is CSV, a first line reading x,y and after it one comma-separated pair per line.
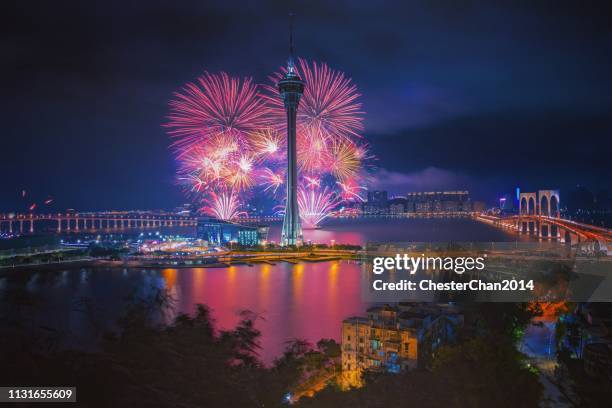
x,y
306,301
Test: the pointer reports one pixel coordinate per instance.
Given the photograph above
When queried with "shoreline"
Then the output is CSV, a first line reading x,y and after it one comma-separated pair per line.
x,y
97,263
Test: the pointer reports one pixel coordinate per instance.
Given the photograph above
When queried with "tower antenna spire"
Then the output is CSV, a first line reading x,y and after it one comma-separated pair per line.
x,y
291,34
290,63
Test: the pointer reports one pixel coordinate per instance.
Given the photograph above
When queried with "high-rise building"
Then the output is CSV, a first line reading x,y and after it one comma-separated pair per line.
x,y
378,198
291,88
397,205
377,202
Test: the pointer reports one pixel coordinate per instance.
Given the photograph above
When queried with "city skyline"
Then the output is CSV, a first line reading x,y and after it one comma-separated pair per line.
x,y
81,111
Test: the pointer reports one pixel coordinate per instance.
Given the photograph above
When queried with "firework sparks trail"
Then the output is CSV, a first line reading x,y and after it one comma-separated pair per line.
x,y
312,182
31,206
222,205
242,177
350,191
313,154
199,167
268,144
344,160
316,205
271,180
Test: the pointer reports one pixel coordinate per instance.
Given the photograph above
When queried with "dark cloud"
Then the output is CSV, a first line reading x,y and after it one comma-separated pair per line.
x,y
428,179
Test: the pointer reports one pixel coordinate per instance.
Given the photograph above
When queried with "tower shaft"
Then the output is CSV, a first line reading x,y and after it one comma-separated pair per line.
x,y
291,91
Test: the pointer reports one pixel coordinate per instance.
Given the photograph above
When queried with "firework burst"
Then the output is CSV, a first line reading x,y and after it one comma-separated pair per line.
x,y
241,176
313,154
268,144
215,104
223,205
316,205
345,162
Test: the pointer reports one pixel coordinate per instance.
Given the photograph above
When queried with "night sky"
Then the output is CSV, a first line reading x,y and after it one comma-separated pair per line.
x,y
458,94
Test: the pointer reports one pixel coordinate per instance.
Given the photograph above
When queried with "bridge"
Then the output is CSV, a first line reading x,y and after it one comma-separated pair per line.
x,y
546,227
539,216
92,221
259,219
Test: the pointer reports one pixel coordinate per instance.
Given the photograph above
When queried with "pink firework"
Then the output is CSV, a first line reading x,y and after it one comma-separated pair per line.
x,y
221,162
311,182
272,180
215,103
313,154
199,167
223,205
329,104
351,191
316,205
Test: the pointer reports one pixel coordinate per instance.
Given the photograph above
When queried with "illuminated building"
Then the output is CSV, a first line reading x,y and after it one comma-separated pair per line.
x,y
218,232
394,339
377,202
